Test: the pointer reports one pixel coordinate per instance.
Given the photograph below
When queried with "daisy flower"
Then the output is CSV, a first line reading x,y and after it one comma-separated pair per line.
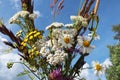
x,y
98,68
84,44
55,25
66,41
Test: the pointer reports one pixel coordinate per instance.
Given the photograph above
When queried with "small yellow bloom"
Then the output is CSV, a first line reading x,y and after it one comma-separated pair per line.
x,y
32,50
24,44
35,35
31,56
31,37
30,33
38,33
35,31
37,53
25,40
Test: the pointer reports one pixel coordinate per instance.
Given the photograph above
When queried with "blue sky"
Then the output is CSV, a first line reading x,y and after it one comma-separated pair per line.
x,y
108,13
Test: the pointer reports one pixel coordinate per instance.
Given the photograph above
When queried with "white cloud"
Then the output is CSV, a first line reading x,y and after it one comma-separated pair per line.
x,y
38,13
5,73
85,73
2,45
11,73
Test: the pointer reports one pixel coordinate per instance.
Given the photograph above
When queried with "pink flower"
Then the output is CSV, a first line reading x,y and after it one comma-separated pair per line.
x,y
56,75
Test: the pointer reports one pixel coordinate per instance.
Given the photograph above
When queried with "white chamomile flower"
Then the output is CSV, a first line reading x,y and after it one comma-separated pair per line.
x,y
79,20
66,41
84,44
55,25
98,68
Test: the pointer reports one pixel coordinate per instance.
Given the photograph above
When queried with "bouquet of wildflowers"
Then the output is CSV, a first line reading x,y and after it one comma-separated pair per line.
x,y
51,57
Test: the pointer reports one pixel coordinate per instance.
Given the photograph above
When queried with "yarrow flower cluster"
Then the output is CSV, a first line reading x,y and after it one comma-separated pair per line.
x,y
79,20
22,14
51,56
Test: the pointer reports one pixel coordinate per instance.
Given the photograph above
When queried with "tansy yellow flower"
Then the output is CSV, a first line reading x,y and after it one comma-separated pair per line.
x,y
38,33
24,44
35,31
35,35
26,39
37,53
31,37
30,33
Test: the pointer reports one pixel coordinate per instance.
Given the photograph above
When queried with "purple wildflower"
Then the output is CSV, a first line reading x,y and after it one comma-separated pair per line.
x,y
56,75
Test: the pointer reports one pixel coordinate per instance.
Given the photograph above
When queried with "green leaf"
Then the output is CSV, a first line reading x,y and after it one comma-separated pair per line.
x,y
23,73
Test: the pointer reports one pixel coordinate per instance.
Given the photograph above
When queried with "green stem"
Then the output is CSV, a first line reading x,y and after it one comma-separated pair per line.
x,y
94,33
29,69
28,75
76,67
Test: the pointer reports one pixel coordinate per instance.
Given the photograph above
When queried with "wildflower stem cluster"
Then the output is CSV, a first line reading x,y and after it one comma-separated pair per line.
x,y
52,56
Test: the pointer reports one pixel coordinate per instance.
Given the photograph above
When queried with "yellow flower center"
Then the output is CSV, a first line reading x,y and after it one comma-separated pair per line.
x,y
86,43
98,67
67,40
